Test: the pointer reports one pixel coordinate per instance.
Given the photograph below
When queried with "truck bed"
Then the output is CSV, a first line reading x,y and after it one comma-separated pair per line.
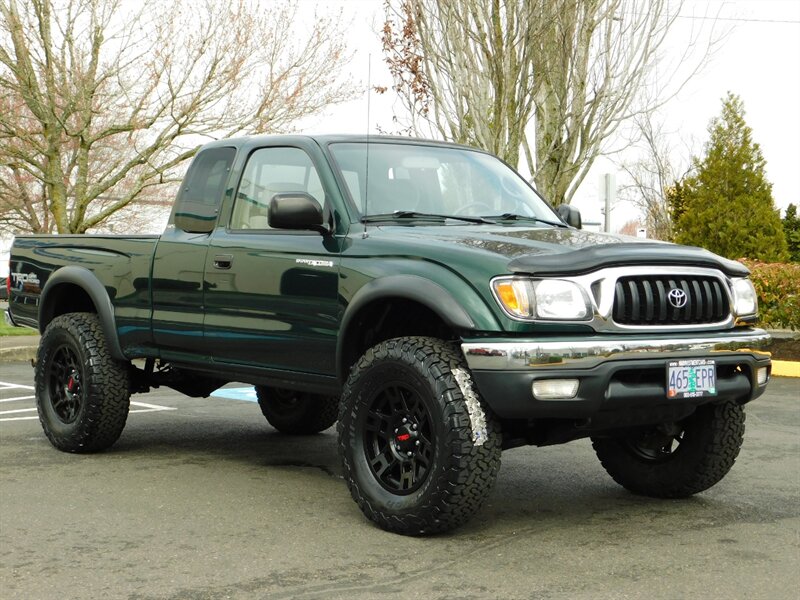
x,y
121,263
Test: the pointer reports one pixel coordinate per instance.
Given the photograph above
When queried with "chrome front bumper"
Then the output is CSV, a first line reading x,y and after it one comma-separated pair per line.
x,y
576,353
622,378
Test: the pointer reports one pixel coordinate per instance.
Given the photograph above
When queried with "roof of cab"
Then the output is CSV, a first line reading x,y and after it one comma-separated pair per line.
x,y
326,139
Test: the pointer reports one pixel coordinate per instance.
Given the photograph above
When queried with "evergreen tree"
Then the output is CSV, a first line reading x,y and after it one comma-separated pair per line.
x,y
727,204
675,196
791,229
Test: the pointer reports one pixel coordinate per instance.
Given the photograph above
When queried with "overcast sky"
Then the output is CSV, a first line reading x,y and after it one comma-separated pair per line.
x,y
758,59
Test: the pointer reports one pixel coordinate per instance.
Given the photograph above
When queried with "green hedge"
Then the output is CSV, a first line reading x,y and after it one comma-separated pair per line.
x,y
778,287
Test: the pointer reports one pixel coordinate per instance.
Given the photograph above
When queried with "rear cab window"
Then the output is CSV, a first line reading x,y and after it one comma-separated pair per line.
x,y
200,196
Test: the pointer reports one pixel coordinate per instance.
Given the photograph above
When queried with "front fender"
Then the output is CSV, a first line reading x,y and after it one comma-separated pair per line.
x,y
412,287
430,294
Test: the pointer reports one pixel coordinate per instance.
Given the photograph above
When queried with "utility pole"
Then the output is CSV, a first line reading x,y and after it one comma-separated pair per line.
x,y
608,192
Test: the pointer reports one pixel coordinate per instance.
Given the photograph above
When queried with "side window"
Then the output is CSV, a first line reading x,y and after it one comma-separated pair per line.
x,y
270,171
201,192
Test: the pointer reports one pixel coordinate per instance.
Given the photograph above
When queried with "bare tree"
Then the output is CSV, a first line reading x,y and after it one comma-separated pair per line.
x,y
654,176
103,100
463,68
484,71
630,228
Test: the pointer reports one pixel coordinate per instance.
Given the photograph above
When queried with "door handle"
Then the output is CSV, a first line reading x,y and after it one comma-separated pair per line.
x,y
223,261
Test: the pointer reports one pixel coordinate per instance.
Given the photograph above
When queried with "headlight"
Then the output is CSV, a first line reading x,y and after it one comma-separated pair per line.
x,y
745,301
546,299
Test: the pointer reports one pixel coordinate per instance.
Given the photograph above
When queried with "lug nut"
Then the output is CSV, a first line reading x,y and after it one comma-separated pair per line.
x,y
416,443
405,420
409,453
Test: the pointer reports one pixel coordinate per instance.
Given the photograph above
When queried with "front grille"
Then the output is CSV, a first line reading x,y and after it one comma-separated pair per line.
x,y
643,300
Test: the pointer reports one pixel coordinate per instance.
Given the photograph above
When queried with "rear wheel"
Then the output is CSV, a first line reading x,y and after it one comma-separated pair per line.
x,y
419,449
676,460
82,393
297,413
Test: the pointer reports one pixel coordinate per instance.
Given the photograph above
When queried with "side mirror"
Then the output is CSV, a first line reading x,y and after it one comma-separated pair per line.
x,y
295,210
571,216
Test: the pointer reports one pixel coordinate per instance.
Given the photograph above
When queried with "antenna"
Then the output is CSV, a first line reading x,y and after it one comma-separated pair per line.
x,y
364,235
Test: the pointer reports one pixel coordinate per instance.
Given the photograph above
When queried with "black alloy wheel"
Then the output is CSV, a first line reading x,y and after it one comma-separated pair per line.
x,y
659,444
297,413
676,460
420,450
82,392
63,384
398,438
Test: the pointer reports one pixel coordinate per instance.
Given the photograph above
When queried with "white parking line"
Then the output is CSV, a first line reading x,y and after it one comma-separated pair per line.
x,y
10,386
17,398
17,410
150,407
144,408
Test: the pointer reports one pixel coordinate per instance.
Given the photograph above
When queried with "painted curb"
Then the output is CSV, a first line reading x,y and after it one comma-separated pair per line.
x,y
18,354
785,368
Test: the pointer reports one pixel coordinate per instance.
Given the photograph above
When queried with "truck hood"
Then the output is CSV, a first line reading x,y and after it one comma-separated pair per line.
x,y
554,251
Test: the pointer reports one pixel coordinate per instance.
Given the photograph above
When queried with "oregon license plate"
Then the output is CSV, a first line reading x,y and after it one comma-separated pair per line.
x,y
691,378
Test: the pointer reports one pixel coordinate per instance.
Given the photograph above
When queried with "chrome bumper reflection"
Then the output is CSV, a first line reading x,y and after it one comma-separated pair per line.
x,y
585,354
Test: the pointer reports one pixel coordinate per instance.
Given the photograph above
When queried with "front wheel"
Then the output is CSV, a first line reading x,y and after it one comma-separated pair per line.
x,y
676,460
420,451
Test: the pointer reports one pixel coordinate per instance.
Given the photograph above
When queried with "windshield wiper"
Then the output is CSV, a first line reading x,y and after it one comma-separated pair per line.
x,y
516,217
412,214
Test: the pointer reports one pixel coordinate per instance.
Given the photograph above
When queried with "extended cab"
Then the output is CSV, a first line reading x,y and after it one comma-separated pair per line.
x,y
421,294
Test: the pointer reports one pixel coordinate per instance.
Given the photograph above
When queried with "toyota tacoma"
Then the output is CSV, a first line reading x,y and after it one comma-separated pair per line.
x,y
420,294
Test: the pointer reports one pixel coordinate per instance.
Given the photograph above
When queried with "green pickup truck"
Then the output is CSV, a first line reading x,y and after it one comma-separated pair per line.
x,y
420,294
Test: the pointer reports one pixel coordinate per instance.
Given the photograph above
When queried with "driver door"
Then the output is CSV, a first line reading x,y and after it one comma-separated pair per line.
x,y
272,295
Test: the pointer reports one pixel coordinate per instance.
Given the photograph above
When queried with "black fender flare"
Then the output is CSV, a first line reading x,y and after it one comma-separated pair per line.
x,y
409,287
88,282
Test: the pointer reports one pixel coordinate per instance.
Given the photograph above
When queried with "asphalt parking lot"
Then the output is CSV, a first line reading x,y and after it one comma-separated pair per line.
x,y
202,499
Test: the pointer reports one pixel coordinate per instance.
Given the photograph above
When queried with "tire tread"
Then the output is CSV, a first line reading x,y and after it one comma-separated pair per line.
x,y
718,432
463,486
107,395
317,414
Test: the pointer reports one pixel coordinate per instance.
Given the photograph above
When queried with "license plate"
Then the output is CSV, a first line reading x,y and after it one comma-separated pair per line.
x,y
691,378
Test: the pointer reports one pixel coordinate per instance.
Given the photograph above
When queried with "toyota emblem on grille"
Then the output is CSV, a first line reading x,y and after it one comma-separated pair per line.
x,y
677,298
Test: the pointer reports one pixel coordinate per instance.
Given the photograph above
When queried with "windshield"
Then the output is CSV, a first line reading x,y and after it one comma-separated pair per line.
x,y
434,180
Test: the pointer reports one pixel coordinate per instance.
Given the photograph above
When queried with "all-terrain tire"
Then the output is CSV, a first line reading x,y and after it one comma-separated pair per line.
x,y
708,444
420,450
297,413
82,393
